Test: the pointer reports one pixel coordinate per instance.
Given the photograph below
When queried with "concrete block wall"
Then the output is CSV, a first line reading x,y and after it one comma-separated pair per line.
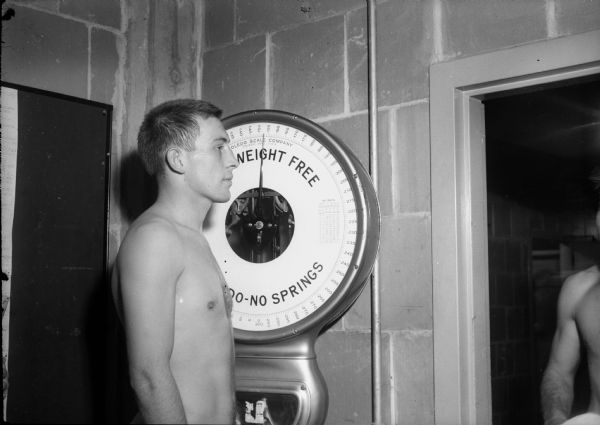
x,y
62,47
310,58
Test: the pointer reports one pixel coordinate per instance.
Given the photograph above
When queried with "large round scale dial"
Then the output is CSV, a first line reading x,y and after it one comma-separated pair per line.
x,y
298,238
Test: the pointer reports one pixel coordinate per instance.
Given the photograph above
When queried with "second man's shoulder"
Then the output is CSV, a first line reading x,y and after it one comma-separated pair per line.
x,y
578,284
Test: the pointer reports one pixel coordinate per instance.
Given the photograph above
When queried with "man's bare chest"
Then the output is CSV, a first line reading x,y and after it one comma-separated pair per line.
x,y
202,285
588,320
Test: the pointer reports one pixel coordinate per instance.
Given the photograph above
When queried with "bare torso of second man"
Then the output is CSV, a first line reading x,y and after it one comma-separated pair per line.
x,y
587,317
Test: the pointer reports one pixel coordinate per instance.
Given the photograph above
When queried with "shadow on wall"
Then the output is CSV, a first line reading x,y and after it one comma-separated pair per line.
x,y
138,189
112,400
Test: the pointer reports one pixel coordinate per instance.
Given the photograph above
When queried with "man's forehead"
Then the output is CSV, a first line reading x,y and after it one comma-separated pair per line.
x,y
212,130
211,123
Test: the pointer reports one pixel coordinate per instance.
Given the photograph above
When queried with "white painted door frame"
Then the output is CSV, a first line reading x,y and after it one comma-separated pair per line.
x,y
459,208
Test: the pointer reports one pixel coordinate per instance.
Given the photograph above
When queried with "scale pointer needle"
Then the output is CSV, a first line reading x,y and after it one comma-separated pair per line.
x,y
260,178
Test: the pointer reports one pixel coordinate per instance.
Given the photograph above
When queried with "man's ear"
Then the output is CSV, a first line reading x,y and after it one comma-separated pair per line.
x,y
174,160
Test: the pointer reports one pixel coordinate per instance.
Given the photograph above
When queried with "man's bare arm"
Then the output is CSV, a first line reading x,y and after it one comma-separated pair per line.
x,y
557,382
149,265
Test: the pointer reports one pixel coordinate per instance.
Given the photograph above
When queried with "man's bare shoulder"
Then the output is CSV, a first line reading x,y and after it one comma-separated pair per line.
x,y
151,236
583,280
578,285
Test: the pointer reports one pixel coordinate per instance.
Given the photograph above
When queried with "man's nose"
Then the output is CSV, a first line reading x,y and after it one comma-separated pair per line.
x,y
232,159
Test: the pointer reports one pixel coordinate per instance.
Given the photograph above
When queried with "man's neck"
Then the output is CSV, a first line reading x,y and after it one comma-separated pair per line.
x,y
186,210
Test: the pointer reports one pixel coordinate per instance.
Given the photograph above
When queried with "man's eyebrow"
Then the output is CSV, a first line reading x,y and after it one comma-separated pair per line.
x,y
221,140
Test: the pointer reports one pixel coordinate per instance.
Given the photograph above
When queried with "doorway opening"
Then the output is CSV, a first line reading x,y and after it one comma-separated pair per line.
x,y
459,208
541,147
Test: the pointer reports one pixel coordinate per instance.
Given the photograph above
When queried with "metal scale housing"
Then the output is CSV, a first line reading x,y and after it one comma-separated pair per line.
x,y
278,380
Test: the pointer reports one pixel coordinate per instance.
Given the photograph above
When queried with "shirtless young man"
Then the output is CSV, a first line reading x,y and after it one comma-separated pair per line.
x,y
578,322
172,298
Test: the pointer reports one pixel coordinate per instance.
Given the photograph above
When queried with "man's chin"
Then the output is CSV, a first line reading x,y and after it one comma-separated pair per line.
x,y
223,199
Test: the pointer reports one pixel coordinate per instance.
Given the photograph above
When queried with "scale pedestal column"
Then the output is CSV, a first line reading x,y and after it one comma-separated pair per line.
x,y
280,383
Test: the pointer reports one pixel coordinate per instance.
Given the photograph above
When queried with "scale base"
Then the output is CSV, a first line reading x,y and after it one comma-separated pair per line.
x,y
279,390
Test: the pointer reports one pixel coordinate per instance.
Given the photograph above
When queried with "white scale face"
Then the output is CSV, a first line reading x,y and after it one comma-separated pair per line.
x,y
287,237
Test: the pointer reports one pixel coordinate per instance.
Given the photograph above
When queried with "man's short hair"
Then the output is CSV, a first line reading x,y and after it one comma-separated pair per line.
x,y
172,123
